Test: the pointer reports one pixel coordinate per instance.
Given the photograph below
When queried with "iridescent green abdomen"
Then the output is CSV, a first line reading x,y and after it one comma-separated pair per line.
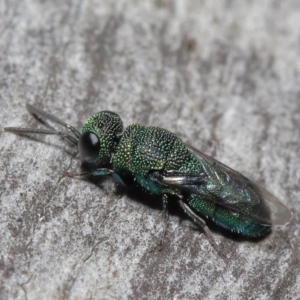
x,y
229,219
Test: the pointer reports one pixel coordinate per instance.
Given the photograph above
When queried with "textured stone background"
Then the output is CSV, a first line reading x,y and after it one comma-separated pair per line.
x,y
223,75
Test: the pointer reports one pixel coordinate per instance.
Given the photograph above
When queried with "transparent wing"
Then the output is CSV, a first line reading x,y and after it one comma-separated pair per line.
x,y
231,189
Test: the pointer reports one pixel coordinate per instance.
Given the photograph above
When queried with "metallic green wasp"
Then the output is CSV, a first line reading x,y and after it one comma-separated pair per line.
x,y
159,162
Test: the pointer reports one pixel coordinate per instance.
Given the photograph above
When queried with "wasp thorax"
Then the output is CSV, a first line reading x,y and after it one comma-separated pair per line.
x,y
100,134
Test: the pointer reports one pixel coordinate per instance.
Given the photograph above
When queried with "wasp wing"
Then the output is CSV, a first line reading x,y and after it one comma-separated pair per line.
x,y
230,189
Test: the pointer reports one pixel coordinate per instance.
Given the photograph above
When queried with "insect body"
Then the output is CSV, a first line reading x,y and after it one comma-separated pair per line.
x,y
162,164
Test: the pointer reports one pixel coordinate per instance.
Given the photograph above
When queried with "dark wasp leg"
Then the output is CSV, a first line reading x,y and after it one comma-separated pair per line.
x,y
97,172
101,172
201,223
165,213
165,207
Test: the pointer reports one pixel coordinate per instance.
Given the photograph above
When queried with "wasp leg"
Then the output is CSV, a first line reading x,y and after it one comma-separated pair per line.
x,y
165,213
97,172
75,175
165,207
201,223
101,172
104,172
118,178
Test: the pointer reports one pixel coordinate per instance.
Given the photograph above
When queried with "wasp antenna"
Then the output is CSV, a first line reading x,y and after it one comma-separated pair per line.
x,y
40,113
20,130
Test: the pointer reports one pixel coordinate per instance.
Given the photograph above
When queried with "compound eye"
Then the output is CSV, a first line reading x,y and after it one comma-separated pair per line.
x,y
88,146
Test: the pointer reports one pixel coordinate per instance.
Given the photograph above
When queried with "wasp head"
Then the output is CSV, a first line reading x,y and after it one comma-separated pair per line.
x,y
99,137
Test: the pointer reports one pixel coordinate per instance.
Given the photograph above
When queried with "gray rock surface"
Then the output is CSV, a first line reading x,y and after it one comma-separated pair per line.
x,y
222,75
